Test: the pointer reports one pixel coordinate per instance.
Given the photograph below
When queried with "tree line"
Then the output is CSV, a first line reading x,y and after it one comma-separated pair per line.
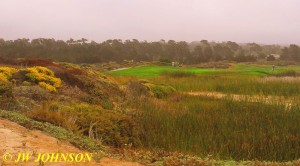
x,y
82,51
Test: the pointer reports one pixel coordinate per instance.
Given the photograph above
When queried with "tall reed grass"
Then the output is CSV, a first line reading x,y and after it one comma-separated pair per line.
x,y
223,128
227,83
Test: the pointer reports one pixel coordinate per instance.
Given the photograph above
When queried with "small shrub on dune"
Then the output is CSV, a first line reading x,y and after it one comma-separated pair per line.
x,y
5,89
160,91
26,83
6,95
112,128
146,88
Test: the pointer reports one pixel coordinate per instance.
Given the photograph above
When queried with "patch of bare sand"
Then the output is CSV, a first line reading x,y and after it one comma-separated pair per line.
x,y
279,79
15,139
240,97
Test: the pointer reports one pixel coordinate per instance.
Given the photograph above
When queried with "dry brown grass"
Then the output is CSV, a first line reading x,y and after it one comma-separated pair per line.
x,y
58,118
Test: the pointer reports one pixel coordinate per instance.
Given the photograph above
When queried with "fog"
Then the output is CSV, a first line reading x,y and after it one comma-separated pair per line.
x,y
261,21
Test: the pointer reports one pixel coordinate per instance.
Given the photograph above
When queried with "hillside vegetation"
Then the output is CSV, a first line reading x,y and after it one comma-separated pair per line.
x,y
80,100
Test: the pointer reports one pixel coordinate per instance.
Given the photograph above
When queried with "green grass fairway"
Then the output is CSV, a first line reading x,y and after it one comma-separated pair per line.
x,y
144,71
261,70
242,69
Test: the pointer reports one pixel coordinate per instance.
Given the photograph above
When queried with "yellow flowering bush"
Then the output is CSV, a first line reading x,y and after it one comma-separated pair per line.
x,y
44,77
3,78
6,73
50,88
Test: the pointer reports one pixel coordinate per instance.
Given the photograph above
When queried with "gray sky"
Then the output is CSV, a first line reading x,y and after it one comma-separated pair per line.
x,y
262,21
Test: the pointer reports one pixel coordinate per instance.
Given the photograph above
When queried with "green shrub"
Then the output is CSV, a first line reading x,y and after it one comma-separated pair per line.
x,y
5,89
145,88
111,127
107,104
7,100
160,91
26,83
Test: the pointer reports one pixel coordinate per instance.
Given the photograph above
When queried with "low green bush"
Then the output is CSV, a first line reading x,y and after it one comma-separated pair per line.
x,y
7,99
160,91
146,88
5,89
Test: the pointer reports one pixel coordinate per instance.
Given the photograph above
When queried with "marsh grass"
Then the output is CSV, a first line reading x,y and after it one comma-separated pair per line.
x,y
289,73
232,84
223,128
239,79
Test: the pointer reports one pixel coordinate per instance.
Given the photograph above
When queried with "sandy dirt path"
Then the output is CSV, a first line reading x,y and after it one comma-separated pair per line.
x,y
15,139
123,68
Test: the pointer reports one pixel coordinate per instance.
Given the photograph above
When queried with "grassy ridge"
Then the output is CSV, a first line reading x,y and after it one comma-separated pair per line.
x,y
225,129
